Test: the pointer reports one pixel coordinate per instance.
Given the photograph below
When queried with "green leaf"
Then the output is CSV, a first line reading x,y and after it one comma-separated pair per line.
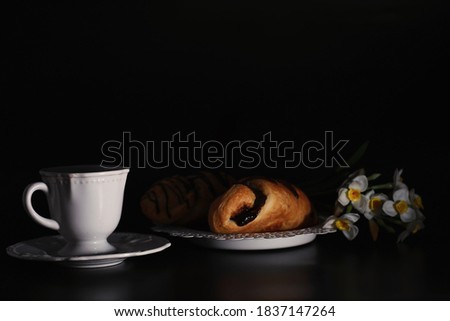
x,y
373,176
388,228
381,186
356,156
395,221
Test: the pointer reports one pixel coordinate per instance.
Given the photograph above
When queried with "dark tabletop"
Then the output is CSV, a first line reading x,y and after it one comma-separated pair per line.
x,y
75,77
329,268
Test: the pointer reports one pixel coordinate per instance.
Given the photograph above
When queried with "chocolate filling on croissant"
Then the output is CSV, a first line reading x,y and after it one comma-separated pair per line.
x,y
260,205
247,214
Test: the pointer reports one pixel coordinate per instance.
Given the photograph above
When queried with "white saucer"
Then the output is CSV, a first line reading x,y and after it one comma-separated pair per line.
x,y
126,245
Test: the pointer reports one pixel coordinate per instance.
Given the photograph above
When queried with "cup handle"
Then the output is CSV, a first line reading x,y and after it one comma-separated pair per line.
x,y
28,192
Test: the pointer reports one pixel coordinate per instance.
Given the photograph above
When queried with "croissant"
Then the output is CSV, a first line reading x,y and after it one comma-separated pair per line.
x,y
184,200
260,205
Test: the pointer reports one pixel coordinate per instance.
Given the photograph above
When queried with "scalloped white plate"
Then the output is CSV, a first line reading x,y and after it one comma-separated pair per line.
x,y
247,241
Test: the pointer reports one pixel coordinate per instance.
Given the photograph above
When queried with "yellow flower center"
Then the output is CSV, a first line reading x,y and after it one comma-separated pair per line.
x,y
353,194
418,202
401,207
375,204
342,224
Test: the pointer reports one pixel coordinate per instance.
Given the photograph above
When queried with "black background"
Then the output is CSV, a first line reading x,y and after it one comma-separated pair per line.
x,y
77,75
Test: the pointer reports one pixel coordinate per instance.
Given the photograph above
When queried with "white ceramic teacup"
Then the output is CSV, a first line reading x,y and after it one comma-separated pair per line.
x,y
85,205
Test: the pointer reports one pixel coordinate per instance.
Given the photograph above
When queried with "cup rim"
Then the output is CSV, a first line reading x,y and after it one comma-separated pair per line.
x,y
83,170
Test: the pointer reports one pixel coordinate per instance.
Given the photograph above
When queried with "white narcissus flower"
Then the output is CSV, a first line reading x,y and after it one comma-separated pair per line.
x,y
374,204
401,205
344,223
353,193
411,228
398,180
417,224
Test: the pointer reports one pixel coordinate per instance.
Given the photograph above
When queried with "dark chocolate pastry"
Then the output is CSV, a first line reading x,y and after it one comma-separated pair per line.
x,y
184,200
